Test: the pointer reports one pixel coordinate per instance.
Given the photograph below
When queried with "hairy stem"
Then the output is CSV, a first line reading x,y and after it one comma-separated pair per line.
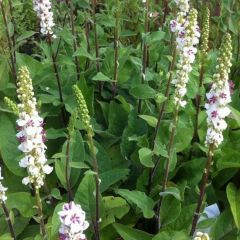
x,y
167,92
9,222
54,65
13,63
145,51
87,30
95,168
205,177
116,45
70,4
167,169
67,171
43,231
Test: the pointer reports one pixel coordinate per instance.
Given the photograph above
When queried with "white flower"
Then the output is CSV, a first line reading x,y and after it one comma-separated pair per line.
x,y
31,134
44,12
3,190
73,222
201,236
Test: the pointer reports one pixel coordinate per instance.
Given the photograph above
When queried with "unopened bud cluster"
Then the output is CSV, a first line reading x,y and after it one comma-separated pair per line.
x,y
11,105
3,190
82,108
31,134
186,40
201,236
45,15
219,95
205,31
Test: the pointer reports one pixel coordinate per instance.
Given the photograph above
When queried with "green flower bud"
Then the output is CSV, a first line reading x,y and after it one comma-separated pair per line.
x,y
11,105
205,31
72,122
82,108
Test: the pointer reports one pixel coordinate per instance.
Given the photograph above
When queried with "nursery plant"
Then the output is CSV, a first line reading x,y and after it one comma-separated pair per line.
x,y
119,120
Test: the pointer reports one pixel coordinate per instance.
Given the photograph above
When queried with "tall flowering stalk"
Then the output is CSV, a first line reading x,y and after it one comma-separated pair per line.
x,y
43,9
3,199
217,110
73,222
175,26
145,48
84,115
203,56
31,136
186,41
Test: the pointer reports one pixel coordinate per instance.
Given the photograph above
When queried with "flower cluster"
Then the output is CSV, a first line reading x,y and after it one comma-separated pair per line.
x,y
201,236
183,6
3,190
219,95
45,14
31,134
186,40
73,222
205,30
82,108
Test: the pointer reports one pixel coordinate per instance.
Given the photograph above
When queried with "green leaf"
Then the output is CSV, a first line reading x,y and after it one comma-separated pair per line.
x,y
230,159
172,235
56,221
128,233
82,52
101,77
115,207
156,36
235,114
145,156
25,35
145,203
23,202
233,195
143,91
172,191
170,210
111,177
152,121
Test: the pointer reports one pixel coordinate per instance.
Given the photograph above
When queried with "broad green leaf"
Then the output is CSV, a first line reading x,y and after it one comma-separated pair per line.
x,y
172,235
128,233
22,201
235,114
111,177
152,121
145,156
25,35
82,52
101,77
145,203
172,191
233,195
143,91
230,159
56,221
170,210
114,207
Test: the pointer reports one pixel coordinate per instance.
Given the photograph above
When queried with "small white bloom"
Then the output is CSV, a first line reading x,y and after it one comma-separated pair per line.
x,y
3,190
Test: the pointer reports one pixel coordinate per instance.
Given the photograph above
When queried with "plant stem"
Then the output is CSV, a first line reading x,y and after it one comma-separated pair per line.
x,y
116,53
167,170
70,4
13,65
145,50
167,92
94,4
67,171
43,231
9,222
54,64
202,189
87,30
95,168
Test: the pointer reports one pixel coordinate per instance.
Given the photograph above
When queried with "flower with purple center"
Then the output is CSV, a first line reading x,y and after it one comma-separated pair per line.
x,y
73,222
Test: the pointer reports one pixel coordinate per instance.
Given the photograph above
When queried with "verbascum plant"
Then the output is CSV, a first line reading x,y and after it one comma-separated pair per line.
x,y
186,40
11,105
73,222
205,31
32,136
217,110
201,236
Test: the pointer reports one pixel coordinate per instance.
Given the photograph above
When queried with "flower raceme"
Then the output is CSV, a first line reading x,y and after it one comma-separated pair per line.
x,y
73,222
31,134
3,190
45,15
219,95
187,37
